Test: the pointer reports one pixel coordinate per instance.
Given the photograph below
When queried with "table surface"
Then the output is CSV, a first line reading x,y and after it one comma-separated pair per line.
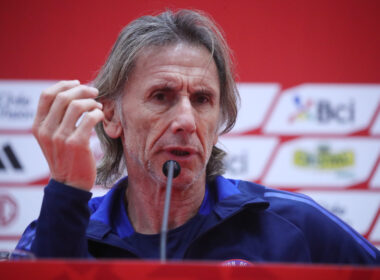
x,y
119,269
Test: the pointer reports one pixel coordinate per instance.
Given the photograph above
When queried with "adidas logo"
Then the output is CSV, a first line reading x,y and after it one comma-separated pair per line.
x,y
8,159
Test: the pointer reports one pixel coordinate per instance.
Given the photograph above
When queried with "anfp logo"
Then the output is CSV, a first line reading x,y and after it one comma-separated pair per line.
x,y
8,210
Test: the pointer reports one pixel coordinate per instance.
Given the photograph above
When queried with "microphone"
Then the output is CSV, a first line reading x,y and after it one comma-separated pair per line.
x,y
171,169
166,167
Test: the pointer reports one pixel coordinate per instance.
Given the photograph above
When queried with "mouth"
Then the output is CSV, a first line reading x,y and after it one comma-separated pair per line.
x,y
181,152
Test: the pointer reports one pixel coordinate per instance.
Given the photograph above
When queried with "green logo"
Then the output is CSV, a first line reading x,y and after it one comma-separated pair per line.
x,y
324,159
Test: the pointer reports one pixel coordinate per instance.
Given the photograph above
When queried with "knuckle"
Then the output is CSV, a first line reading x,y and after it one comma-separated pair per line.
x,y
87,119
89,90
54,89
92,117
75,105
82,87
51,90
82,105
73,143
46,94
35,130
43,135
58,138
62,97
63,83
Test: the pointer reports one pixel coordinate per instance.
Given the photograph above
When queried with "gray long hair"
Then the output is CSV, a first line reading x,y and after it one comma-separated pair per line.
x,y
167,28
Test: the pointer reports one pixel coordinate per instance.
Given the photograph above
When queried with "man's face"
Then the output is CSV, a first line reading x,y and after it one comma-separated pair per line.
x,y
170,110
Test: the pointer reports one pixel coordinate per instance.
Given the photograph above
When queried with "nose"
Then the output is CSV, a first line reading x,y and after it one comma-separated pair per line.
x,y
184,119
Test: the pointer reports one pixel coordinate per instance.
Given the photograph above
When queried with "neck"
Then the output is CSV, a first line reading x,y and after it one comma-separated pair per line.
x,y
146,204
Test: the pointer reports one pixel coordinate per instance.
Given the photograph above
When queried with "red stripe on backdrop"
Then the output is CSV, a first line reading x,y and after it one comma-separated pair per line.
x,y
9,237
372,226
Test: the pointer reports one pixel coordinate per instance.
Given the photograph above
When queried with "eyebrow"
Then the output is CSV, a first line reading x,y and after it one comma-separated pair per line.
x,y
172,83
164,84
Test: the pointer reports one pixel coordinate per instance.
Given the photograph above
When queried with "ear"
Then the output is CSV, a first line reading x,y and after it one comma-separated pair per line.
x,y
111,123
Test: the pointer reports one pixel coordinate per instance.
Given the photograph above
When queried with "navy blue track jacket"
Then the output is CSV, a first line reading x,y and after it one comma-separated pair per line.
x,y
247,221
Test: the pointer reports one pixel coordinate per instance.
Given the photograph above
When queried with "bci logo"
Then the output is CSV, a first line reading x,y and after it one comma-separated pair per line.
x,y
322,111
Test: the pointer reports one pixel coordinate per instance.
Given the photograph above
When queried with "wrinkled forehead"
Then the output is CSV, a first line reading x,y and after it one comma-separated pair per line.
x,y
168,51
160,63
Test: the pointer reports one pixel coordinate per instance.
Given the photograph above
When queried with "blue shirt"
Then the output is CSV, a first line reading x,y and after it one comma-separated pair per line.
x,y
147,246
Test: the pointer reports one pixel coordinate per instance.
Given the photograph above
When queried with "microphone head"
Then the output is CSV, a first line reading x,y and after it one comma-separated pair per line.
x,y
176,168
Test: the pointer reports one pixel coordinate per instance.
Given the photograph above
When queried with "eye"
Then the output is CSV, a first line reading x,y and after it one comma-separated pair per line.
x,y
159,96
201,98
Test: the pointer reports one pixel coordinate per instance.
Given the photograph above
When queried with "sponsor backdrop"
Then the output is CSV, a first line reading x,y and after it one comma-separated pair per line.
x,y
308,74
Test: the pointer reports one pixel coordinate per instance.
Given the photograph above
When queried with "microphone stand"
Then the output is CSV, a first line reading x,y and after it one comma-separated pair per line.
x,y
168,170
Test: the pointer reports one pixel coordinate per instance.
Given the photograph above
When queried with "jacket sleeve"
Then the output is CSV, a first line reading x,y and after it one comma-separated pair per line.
x,y
60,230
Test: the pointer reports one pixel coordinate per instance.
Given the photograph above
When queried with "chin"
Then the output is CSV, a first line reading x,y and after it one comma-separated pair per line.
x,y
184,181
186,178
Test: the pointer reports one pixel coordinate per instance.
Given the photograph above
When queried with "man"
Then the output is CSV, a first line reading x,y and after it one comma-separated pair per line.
x,y
166,92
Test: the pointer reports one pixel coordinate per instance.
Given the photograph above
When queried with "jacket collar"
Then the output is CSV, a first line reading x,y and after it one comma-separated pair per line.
x,y
235,195
97,229
232,196
105,210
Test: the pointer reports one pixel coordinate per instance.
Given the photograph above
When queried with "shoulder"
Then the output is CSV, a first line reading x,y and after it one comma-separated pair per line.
x,y
295,208
322,230
322,227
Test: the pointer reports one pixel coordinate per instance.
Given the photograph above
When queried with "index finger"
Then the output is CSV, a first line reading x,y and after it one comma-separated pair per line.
x,y
47,97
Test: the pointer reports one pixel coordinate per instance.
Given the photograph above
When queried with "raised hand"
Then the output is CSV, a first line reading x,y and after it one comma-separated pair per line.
x,y
65,143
